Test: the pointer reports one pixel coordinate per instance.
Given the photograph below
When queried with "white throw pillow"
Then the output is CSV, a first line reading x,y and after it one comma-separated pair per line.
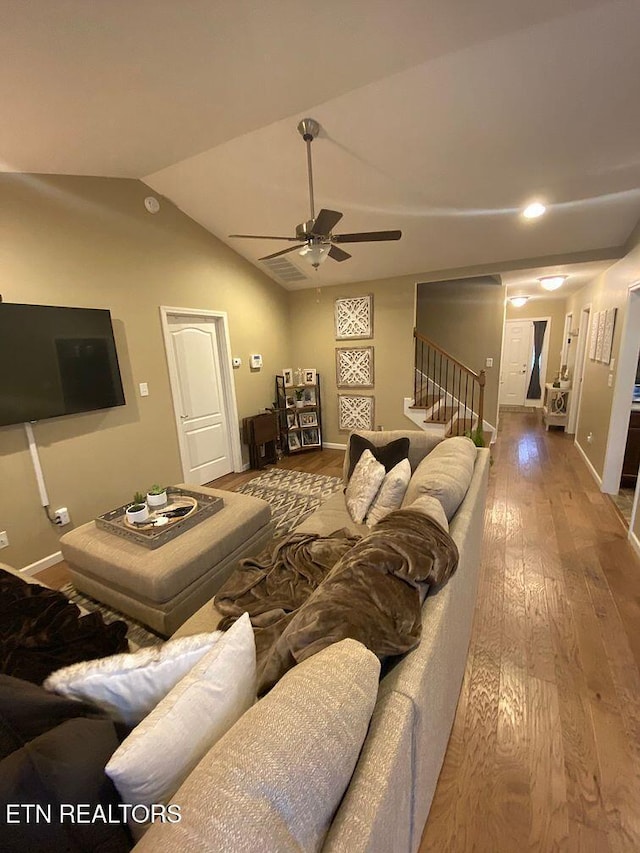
x,y
151,764
391,492
129,686
363,486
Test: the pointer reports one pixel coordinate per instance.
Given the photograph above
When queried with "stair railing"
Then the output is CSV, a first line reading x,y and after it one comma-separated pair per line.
x,y
438,376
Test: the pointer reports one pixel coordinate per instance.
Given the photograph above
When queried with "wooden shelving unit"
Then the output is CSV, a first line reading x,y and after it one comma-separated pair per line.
x,y
300,415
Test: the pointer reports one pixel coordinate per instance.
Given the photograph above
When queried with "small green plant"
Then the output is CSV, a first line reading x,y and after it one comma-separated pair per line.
x,y
299,392
477,436
157,490
138,502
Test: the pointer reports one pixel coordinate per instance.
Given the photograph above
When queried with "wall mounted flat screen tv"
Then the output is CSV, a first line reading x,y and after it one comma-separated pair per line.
x,y
56,361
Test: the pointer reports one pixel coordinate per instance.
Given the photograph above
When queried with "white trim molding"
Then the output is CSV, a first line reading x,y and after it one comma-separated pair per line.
x,y
589,465
41,565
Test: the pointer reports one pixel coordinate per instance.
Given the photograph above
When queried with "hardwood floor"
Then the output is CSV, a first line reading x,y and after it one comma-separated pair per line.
x,y
545,749
544,753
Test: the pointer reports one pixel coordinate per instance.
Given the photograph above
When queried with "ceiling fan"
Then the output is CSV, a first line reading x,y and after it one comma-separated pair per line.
x,y
315,237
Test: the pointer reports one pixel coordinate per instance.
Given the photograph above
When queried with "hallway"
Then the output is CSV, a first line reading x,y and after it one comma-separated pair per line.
x,y
545,750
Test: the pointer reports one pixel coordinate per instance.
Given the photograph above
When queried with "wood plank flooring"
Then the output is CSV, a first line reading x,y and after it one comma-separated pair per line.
x,y
545,748
544,753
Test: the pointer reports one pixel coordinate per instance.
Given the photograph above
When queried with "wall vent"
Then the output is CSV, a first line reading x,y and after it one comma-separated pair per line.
x,y
284,270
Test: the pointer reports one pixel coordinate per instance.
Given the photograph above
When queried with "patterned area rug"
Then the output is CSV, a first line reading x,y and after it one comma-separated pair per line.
x,y
138,635
293,495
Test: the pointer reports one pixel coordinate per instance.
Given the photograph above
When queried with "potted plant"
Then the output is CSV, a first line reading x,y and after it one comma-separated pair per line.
x,y
138,511
299,392
157,496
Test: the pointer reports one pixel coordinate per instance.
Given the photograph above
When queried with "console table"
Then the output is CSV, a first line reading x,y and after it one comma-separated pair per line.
x,y
555,408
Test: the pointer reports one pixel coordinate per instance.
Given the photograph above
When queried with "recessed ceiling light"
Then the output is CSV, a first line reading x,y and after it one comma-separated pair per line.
x,y
518,301
533,210
552,282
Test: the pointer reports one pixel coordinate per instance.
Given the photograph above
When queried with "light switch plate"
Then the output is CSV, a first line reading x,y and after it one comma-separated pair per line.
x,y
144,389
488,362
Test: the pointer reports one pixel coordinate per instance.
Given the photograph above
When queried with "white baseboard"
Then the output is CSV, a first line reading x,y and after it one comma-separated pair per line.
x,y
587,462
44,563
332,446
635,542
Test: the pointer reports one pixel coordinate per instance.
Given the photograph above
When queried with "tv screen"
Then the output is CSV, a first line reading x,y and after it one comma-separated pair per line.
x,y
56,361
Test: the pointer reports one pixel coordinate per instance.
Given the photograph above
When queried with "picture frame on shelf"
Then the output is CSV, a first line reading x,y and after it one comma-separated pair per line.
x,y
289,401
309,375
308,419
310,398
293,441
292,421
287,372
311,437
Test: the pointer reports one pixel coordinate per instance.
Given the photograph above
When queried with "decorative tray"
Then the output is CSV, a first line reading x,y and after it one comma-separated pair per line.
x,y
159,528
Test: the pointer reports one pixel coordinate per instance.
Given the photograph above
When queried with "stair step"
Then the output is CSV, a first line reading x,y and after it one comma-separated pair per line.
x,y
444,414
426,401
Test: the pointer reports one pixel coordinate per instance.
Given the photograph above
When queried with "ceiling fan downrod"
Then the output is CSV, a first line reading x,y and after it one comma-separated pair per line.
x,y
308,130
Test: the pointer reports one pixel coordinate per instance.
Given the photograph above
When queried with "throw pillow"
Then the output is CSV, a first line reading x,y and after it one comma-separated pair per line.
x,y
159,754
445,473
391,492
363,486
275,780
129,686
388,454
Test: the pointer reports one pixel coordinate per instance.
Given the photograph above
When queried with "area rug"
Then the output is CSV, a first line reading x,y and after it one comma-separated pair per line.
x,y
137,634
293,495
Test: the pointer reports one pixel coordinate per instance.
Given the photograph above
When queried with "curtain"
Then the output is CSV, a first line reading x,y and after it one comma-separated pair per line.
x,y
539,328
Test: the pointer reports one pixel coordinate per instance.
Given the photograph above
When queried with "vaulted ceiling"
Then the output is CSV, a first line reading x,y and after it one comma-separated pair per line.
x,y
442,119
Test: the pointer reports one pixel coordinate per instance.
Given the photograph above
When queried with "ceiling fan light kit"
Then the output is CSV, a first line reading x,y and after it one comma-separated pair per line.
x,y
315,237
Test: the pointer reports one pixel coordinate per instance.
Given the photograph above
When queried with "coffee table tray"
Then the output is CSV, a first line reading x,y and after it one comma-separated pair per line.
x,y
151,536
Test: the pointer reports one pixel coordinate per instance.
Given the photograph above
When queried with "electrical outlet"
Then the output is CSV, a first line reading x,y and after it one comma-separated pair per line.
x,y
590,438
4,539
610,380
62,516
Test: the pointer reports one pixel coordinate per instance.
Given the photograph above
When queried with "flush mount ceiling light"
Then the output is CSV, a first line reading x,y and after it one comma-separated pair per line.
x,y
534,210
552,282
315,253
518,301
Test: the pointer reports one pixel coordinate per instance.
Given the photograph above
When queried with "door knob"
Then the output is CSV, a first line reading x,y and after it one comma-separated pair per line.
x,y
184,417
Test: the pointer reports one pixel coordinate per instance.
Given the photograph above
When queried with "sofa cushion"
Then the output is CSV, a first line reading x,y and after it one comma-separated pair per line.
x,y
445,473
160,753
390,493
363,486
274,781
129,686
388,454
428,505
420,443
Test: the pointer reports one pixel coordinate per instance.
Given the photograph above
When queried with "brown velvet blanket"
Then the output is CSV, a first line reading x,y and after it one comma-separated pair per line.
x,y
41,631
313,591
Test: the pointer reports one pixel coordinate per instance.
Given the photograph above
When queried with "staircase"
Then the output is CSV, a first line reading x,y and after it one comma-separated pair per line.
x,y
448,397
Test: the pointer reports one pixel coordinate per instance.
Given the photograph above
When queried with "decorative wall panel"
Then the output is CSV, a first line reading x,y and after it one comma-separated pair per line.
x,y
354,317
354,367
355,412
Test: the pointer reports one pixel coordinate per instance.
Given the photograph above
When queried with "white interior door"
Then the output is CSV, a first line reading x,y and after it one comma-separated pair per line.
x,y
203,428
515,362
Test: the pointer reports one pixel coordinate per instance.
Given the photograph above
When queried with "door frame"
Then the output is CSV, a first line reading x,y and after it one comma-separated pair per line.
x,y
226,374
626,366
577,382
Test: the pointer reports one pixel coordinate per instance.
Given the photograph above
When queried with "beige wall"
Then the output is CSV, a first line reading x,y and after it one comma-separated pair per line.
x,y
609,290
555,309
89,242
466,318
313,345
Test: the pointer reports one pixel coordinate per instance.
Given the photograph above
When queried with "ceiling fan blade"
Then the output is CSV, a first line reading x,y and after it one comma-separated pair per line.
x,y
264,237
367,237
338,254
325,221
283,252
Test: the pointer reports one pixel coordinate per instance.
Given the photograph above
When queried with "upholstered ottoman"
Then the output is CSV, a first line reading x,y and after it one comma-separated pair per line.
x,y
163,587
